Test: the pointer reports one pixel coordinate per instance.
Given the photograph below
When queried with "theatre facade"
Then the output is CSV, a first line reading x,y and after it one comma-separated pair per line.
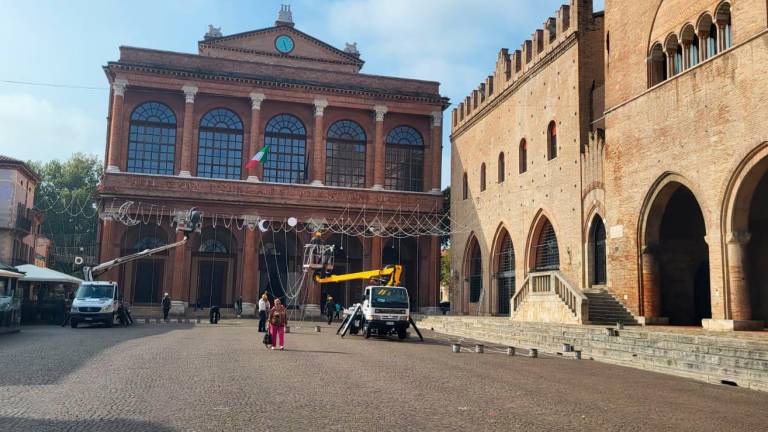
x,y
341,143
615,169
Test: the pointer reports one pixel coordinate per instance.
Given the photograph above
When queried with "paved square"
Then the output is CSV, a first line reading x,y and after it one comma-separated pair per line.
x,y
176,377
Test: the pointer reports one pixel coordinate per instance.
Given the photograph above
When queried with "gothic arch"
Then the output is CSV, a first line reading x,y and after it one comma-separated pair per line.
x,y
502,271
539,223
472,249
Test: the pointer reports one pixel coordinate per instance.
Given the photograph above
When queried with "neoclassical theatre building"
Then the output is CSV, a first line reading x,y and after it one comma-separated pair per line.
x,y
613,168
182,127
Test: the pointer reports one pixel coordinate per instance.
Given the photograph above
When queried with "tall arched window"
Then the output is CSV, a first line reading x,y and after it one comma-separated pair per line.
x,y
523,156
501,168
152,139
712,47
691,44
464,186
546,250
723,17
475,277
404,167
598,251
220,145
658,65
345,155
674,55
505,273
679,59
482,177
286,160
551,140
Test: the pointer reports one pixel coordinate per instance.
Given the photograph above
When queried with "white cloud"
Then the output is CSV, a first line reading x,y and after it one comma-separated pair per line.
x,y
38,129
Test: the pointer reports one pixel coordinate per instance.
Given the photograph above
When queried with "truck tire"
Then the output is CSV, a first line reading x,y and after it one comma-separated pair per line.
x,y
401,333
366,331
73,323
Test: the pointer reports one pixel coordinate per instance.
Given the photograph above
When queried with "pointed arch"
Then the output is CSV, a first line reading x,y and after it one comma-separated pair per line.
x,y
473,270
543,250
503,275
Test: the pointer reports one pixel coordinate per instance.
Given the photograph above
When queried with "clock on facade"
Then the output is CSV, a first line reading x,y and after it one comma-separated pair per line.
x,y
284,44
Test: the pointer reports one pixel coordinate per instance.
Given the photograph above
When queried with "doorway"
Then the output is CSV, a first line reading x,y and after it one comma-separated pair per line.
x,y
212,277
147,282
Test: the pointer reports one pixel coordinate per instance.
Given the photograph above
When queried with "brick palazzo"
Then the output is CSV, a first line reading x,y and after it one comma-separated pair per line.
x,y
619,154
182,126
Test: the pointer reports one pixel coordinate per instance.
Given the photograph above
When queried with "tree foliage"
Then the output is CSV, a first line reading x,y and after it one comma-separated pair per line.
x,y
66,196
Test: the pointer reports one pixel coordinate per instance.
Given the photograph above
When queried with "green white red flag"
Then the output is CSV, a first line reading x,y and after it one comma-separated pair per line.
x,y
258,157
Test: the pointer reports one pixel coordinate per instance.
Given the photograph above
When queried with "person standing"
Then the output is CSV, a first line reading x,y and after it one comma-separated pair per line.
x,y
166,306
338,311
239,306
278,319
330,309
263,310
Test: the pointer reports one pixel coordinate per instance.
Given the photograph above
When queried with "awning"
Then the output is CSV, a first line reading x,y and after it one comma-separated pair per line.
x,y
34,273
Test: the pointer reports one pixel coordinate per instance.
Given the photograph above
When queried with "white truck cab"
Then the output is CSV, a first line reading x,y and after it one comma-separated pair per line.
x,y
385,310
95,302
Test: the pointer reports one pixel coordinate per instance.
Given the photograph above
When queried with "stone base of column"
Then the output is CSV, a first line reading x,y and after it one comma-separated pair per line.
x,y
185,174
311,311
178,307
731,325
644,321
249,310
435,191
316,183
252,179
113,169
377,187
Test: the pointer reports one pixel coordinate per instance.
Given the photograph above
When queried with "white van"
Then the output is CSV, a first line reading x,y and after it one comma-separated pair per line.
x,y
95,302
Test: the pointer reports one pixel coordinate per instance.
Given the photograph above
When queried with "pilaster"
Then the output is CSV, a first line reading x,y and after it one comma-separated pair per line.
x,y
256,141
115,132
379,149
190,92
318,162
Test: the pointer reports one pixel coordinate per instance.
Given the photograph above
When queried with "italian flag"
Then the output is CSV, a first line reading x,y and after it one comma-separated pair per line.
x,y
258,157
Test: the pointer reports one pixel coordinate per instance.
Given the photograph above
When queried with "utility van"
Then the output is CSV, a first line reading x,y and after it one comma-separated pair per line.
x,y
95,302
386,311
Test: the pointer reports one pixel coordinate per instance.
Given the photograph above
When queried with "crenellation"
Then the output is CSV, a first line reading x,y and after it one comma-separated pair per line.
x,y
481,90
563,17
551,26
538,41
527,47
489,85
517,61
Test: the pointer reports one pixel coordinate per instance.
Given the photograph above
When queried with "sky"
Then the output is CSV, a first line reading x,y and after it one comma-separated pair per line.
x,y
66,44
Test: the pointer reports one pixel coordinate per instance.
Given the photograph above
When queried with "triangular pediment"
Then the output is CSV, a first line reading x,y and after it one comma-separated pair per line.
x,y
280,45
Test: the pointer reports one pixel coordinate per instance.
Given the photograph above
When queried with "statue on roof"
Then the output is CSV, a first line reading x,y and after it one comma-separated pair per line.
x,y
285,16
351,48
213,32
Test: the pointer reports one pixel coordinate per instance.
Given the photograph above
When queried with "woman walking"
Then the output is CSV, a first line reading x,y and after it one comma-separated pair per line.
x,y
263,309
278,319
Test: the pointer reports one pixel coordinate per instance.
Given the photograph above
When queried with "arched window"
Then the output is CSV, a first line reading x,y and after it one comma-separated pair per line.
x,y
598,251
345,155
152,139
286,160
213,246
523,156
464,187
501,168
712,47
723,17
404,167
691,46
220,145
679,59
482,177
551,140
546,250
475,277
674,54
149,242
505,273
658,65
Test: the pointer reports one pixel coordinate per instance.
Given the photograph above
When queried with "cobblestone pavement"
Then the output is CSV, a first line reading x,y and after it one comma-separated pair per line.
x,y
177,377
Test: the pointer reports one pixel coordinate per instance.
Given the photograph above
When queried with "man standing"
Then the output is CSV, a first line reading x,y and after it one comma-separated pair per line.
x,y
330,309
166,306
239,306
263,309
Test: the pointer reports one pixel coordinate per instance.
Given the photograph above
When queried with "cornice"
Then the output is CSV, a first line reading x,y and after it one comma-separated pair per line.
x,y
276,55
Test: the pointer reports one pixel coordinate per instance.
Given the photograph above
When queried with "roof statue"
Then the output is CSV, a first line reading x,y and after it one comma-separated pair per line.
x,y
213,32
285,16
351,48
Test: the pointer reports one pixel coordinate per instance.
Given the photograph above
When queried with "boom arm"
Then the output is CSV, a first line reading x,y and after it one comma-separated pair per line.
x,y
391,272
91,272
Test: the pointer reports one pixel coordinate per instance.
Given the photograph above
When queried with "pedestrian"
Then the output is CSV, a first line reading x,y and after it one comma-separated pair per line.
x,y
278,319
338,311
263,310
166,306
239,306
67,309
330,308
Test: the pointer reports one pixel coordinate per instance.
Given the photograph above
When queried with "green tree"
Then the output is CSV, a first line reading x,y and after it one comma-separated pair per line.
x,y
445,241
445,267
66,196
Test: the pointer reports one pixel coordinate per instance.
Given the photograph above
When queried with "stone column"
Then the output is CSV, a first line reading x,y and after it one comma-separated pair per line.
x,y
375,252
106,248
686,54
702,45
670,63
379,152
255,144
250,270
318,161
437,151
115,126
651,282
181,268
741,306
186,136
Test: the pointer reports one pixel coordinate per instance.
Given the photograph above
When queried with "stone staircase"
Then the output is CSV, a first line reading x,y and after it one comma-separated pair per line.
x,y
733,359
605,309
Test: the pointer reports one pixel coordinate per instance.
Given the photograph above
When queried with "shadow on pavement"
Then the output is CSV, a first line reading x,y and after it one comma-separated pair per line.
x,y
44,425
42,355
316,351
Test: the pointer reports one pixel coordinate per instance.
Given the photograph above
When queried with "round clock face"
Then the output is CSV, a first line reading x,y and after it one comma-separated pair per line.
x,y
284,44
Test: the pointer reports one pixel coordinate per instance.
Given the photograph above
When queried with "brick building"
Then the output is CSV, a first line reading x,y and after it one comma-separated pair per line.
x,y
182,126
621,170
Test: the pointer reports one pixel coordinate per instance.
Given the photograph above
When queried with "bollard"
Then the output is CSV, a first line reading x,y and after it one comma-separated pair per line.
x,y
456,348
287,329
577,354
619,326
510,351
533,353
567,347
317,329
479,348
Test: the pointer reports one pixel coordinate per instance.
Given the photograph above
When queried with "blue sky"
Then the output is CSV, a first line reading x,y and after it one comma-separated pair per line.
x,y
451,41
